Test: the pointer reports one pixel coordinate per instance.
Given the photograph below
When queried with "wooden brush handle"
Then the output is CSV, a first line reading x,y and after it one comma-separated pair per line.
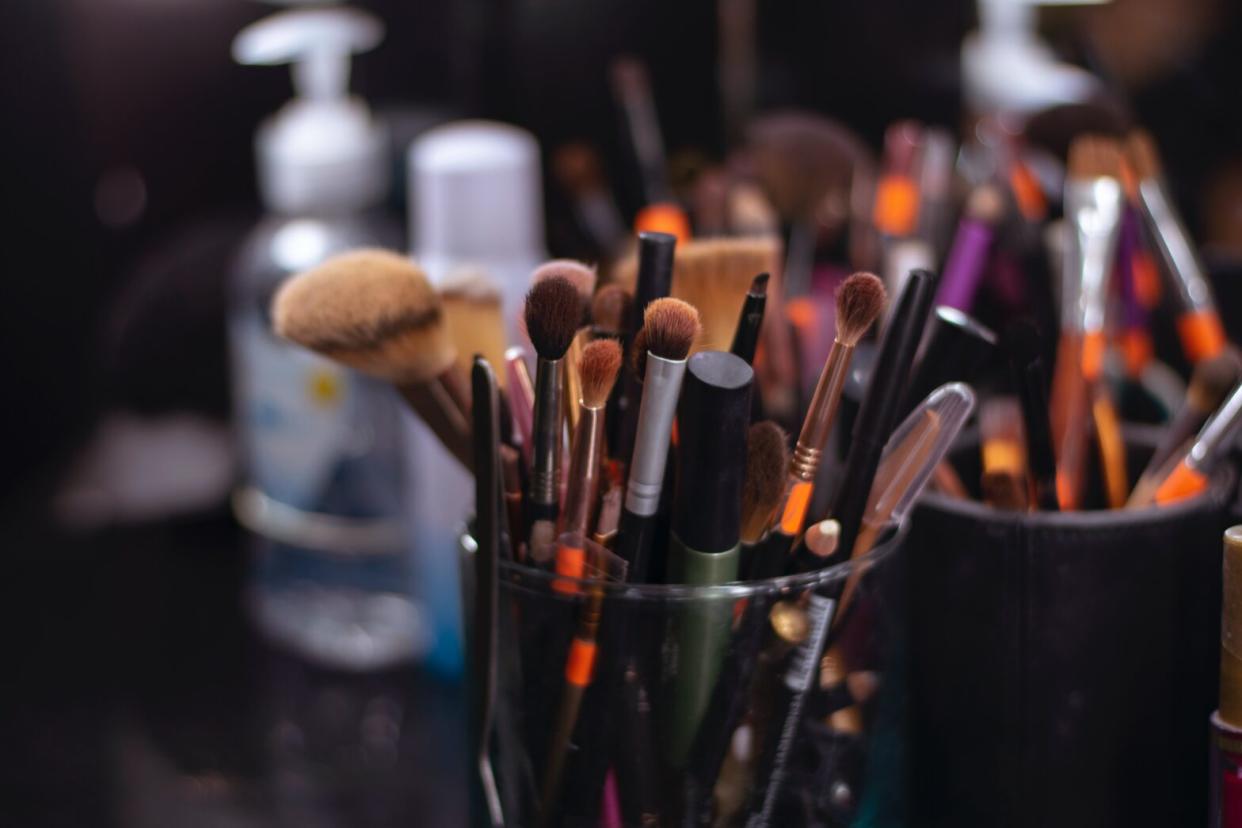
x,y
438,407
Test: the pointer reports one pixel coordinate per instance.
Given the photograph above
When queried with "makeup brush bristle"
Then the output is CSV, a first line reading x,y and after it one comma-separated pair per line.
x,y
638,354
1213,379
609,308
714,275
759,284
580,275
600,362
670,327
986,203
1142,154
1094,156
553,312
767,463
860,299
370,309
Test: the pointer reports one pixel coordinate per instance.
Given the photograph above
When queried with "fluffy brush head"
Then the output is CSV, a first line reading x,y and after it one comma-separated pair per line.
x,y
767,464
581,276
553,311
372,310
799,157
715,275
1213,379
860,299
598,368
1142,154
1094,156
638,354
609,309
670,327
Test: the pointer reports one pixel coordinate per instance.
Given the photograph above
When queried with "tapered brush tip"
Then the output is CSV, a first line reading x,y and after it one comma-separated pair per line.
x,y
767,465
860,299
986,204
670,327
1142,154
609,308
553,311
598,368
759,285
1094,156
371,309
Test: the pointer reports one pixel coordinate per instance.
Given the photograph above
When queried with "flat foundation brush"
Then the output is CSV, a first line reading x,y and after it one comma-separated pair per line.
x,y
860,299
669,330
552,315
375,311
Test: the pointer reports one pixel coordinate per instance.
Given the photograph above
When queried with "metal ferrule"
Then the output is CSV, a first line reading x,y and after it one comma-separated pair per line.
x,y
583,470
1171,238
1218,433
545,462
661,387
822,413
1093,210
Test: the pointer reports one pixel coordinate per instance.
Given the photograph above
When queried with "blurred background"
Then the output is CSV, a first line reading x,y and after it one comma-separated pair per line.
x,y
140,693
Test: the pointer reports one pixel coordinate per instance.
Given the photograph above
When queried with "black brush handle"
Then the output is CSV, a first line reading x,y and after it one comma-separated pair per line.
x,y
635,540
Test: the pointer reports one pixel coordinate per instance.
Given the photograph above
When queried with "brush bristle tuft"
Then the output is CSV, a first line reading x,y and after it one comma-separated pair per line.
x,y
759,285
671,326
714,275
860,299
598,368
986,204
638,354
553,311
580,275
767,465
371,309
609,309
1094,156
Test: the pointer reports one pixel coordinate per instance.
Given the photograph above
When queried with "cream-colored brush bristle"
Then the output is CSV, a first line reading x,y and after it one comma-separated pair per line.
x,y
714,275
474,318
372,310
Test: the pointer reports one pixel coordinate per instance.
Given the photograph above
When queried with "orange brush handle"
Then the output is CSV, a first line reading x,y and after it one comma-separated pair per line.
x,y
1184,482
796,504
1202,334
570,562
896,205
580,665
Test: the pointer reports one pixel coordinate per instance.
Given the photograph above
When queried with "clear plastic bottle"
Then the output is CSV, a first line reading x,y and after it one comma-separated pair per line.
x,y
325,488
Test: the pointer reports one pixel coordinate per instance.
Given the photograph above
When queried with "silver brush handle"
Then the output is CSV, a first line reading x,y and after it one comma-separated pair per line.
x,y
1218,433
1171,238
661,387
1093,211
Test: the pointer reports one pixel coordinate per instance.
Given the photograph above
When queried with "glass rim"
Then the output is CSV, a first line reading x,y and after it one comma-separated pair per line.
x,y
520,575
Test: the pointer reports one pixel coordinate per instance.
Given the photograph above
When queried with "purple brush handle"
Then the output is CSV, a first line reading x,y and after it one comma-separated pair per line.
x,y
1134,315
964,270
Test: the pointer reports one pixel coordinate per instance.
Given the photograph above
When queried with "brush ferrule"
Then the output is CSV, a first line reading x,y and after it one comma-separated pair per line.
x,y
1093,210
822,412
547,426
583,471
1171,238
661,387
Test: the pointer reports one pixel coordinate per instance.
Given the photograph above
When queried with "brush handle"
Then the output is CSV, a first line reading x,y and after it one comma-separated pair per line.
x,y
635,539
963,272
583,471
544,477
746,337
435,404
660,390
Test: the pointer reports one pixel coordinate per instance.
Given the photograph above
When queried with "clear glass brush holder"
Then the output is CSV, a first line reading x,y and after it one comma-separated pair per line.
x,y
645,705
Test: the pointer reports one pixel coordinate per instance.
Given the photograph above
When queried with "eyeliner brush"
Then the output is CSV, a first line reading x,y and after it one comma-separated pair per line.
x,y
746,338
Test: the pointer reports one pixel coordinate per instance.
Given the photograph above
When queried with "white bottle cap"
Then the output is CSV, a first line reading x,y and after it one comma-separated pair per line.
x,y
475,193
323,152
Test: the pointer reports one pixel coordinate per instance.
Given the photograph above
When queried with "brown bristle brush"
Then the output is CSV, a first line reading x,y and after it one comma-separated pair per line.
x,y
767,461
552,316
582,277
601,360
375,311
609,308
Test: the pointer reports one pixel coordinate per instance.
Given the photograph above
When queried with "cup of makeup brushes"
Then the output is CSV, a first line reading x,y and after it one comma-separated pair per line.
x,y
592,676
1063,663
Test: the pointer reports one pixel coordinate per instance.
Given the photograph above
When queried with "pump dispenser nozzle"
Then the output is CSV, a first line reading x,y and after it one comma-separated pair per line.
x,y
322,153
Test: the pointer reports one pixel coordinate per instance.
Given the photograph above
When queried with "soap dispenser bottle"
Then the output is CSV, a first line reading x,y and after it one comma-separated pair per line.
x,y
324,492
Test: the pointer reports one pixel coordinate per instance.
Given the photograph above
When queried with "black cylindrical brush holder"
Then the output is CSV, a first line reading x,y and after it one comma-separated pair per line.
x,y
1064,665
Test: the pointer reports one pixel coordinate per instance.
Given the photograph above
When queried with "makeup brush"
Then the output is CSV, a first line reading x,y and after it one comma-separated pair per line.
x,y
488,533
746,335
879,408
374,311
713,421
715,275
473,317
767,463
897,193
1029,376
521,390
968,258
955,348
860,299
1004,454
1198,322
1212,379
552,314
600,362
631,88
578,169
583,279
1186,473
1093,202
610,307
652,280
669,331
